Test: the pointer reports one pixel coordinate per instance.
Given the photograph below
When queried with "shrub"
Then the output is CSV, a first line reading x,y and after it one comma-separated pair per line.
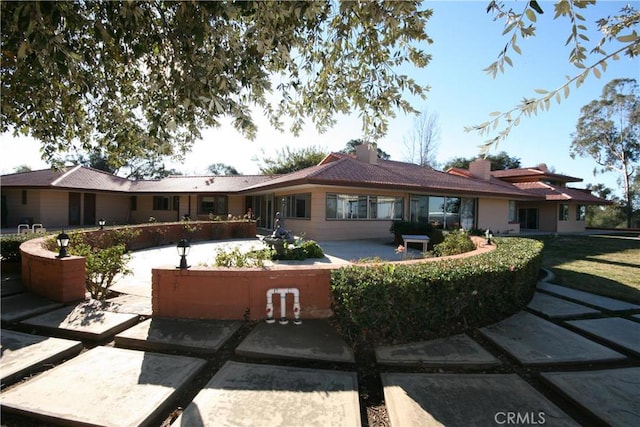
x,y
312,249
455,242
102,266
393,303
235,258
10,246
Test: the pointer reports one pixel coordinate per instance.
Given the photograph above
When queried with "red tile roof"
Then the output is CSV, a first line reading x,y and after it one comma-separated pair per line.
x,y
531,174
553,193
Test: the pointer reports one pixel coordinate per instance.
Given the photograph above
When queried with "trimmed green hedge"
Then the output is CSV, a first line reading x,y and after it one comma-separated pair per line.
x,y
10,246
393,303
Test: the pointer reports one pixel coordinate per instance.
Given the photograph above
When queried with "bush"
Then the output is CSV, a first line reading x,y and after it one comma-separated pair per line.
x,y
312,249
394,303
102,266
455,242
10,246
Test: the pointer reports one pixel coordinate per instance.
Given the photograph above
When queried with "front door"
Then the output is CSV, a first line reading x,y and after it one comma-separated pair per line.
x,y
90,209
74,208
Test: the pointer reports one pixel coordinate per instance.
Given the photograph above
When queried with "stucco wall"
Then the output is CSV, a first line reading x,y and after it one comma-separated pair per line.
x,y
494,215
572,225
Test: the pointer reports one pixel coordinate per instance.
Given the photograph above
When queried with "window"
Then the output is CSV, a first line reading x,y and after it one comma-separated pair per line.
x,y
563,212
349,206
442,212
297,206
24,197
216,205
581,213
513,212
133,203
161,203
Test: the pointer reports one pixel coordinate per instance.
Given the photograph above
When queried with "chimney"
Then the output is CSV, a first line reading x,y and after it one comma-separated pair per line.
x,y
543,167
367,153
480,168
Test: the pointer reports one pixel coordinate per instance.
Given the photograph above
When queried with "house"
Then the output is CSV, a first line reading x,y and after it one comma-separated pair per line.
x,y
343,197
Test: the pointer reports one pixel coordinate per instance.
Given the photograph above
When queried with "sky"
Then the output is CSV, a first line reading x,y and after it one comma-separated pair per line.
x,y
466,40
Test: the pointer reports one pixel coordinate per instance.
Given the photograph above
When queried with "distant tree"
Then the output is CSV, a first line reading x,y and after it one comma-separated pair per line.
x,y
136,76
608,131
150,169
500,161
605,216
222,169
422,142
290,160
619,38
94,160
350,148
22,168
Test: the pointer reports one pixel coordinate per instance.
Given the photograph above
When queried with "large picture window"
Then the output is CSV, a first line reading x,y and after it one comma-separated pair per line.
x,y
351,206
215,205
442,212
297,206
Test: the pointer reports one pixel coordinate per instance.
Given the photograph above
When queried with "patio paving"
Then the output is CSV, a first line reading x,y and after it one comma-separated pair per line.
x,y
598,301
532,340
558,308
133,304
21,306
84,322
458,351
21,354
201,336
611,395
242,394
620,332
466,400
104,386
312,340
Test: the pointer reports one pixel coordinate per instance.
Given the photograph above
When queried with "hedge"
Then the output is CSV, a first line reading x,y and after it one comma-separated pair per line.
x,y
396,303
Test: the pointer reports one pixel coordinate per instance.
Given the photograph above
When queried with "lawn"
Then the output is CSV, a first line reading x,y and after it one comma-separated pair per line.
x,y
603,264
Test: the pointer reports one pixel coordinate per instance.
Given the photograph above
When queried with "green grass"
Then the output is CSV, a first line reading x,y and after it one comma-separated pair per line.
x,y
607,265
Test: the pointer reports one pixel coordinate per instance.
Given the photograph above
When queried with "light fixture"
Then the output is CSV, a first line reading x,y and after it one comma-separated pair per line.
x,y
183,251
63,242
488,235
101,223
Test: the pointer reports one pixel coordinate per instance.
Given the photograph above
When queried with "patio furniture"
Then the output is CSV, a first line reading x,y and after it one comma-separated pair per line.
x,y
415,238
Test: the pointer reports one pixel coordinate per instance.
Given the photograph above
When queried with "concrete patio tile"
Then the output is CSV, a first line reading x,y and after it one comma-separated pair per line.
x,y
458,351
133,304
312,340
614,330
611,395
415,399
11,285
557,308
205,336
599,301
84,321
21,354
242,394
21,306
104,386
532,340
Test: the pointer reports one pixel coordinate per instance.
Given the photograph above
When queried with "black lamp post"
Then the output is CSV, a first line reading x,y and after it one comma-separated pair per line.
x,y
183,251
101,223
489,236
63,242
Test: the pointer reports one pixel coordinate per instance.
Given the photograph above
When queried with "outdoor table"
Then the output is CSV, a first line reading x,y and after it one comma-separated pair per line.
x,y
416,238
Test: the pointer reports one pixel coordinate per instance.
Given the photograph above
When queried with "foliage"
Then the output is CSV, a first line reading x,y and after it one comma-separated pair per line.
x,y
222,169
400,227
394,303
106,254
10,246
256,258
455,242
350,148
500,161
102,266
312,249
422,141
236,258
608,131
289,160
142,78
618,34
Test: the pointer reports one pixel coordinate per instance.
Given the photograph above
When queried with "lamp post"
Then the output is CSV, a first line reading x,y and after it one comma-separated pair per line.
x,y
488,235
183,251
63,242
101,223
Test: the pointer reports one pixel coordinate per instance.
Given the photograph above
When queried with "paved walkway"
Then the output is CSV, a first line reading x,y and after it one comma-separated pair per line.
x,y
570,358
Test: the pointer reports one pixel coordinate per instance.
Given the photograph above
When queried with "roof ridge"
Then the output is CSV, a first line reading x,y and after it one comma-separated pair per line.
x,y
65,174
